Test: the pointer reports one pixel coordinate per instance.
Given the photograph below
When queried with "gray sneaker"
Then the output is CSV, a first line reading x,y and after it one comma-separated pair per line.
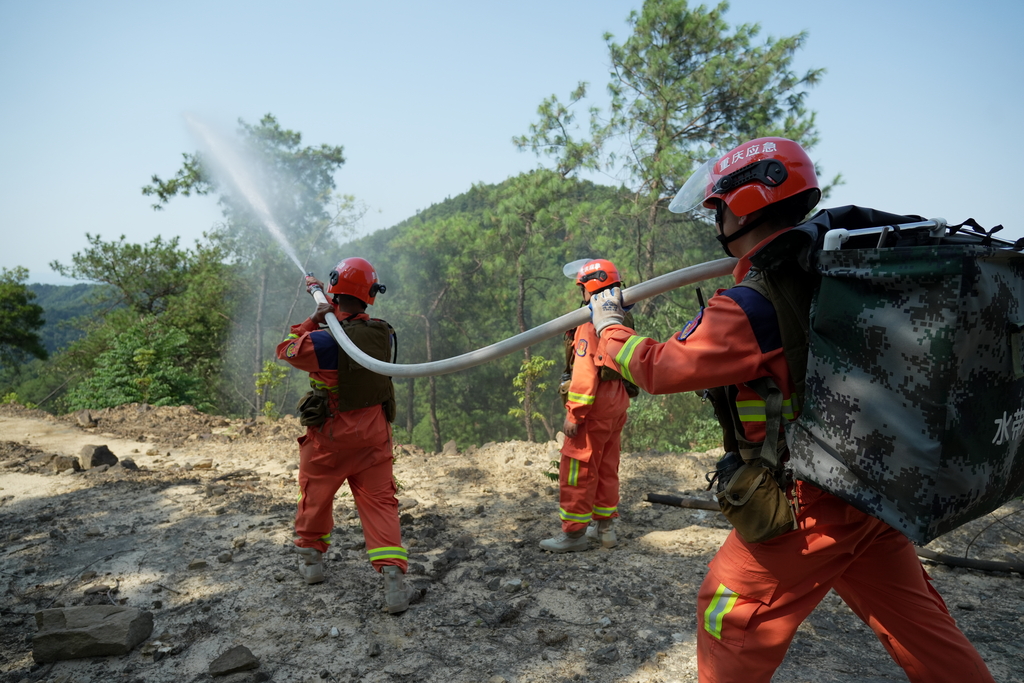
x,y
397,594
311,565
566,543
604,532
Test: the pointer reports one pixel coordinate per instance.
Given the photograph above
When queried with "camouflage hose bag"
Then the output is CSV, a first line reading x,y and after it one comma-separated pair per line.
x,y
913,406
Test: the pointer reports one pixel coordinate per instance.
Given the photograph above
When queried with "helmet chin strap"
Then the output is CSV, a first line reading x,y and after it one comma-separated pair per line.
x,y
744,229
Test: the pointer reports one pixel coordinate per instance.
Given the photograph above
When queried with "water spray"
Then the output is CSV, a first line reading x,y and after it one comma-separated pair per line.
x,y
228,159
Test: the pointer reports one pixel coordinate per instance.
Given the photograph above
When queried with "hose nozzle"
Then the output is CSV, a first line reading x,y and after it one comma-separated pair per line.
x,y
312,287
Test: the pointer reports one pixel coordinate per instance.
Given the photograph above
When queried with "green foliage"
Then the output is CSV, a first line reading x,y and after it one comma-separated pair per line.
x,y
143,277
19,319
12,398
268,379
147,363
529,382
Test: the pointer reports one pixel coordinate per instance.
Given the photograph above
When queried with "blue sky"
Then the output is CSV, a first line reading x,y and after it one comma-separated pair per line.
x,y
919,108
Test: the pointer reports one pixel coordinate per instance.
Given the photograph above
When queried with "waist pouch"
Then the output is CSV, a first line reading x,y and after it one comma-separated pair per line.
x,y
312,408
751,499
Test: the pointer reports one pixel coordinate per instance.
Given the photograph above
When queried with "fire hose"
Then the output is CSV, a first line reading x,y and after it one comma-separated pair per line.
x,y
645,290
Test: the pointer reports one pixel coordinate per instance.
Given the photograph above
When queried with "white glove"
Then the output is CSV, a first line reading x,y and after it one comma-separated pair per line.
x,y
606,309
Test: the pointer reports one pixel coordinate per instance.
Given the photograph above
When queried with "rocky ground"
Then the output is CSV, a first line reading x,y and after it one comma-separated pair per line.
x,y
199,535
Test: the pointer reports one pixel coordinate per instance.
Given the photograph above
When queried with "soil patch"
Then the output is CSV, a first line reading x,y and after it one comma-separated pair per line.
x,y
200,534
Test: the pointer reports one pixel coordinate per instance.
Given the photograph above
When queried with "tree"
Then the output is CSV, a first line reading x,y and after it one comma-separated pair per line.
x,y
528,219
184,288
684,87
19,319
181,295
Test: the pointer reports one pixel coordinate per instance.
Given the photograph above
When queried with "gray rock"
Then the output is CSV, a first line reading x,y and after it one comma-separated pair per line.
x,y
60,463
93,631
450,448
238,658
455,555
128,464
93,456
85,419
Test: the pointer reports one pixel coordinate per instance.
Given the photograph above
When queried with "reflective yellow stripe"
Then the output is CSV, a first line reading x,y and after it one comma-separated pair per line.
x,y
604,512
326,538
388,553
574,472
585,399
291,336
317,384
721,605
754,411
625,355
573,517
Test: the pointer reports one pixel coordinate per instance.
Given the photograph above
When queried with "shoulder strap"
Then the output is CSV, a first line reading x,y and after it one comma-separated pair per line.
x,y
569,342
790,289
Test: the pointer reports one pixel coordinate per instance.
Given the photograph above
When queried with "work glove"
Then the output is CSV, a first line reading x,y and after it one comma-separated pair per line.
x,y
606,309
312,284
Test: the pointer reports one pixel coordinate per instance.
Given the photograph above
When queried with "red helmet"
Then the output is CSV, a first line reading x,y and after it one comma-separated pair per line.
x,y
750,177
596,274
355,277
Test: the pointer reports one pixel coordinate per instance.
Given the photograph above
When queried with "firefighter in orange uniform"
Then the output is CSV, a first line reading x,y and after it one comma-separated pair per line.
x,y
348,434
596,405
756,594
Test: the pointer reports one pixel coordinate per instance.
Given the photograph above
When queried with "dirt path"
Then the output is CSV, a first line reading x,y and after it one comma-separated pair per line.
x,y
218,495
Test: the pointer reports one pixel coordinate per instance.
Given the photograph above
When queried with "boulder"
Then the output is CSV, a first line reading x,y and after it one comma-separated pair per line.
x,y
93,456
238,658
60,463
85,419
92,631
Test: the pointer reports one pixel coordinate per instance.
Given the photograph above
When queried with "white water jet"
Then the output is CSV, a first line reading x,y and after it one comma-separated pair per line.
x,y
234,169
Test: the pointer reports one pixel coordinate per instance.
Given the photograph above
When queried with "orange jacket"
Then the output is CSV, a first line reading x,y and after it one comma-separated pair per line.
x,y
588,395
314,350
734,340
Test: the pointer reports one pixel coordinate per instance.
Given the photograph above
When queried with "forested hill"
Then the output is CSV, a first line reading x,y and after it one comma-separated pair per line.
x,y
486,265
61,305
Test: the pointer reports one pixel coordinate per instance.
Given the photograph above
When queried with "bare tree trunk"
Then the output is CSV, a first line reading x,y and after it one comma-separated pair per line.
x,y
548,428
432,383
435,427
410,401
528,381
258,366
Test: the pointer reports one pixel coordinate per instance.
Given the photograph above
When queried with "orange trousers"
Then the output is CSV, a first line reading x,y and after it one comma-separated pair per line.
x,y
757,594
589,489
369,473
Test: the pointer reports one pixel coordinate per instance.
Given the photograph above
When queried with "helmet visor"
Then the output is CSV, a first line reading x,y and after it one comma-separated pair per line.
x,y
572,269
695,191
